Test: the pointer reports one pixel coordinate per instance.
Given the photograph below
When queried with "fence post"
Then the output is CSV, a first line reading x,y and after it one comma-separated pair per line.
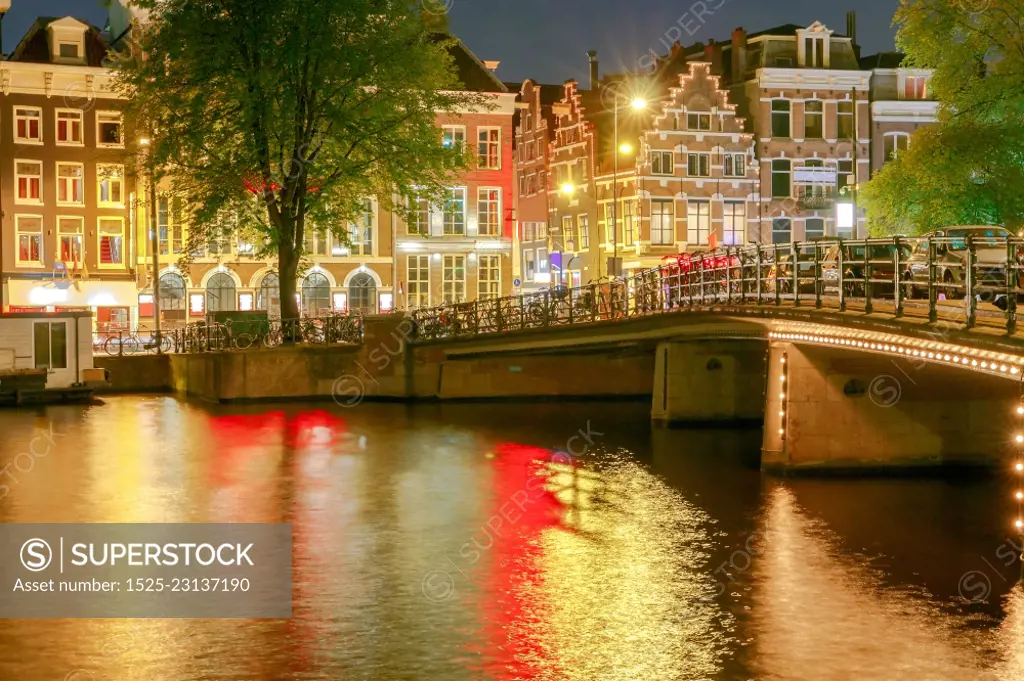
x,y
841,272
896,278
867,277
970,301
1012,274
933,294
759,264
795,250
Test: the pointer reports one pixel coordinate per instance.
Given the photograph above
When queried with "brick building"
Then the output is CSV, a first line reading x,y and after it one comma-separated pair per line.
x,y
900,104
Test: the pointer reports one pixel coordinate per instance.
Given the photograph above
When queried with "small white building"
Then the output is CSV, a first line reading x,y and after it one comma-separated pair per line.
x,y
59,342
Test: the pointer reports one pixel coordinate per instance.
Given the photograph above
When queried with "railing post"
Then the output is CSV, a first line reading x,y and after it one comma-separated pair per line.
x,y
547,309
817,276
795,250
476,317
897,295
1011,286
120,343
841,280
522,312
778,275
867,277
970,301
700,261
759,264
728,277
933,294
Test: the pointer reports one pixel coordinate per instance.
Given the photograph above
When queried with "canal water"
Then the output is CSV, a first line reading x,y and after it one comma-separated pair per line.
x,y
425,549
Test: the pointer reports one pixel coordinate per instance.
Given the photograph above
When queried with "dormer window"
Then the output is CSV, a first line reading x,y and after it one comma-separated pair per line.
x,y
67,41
69,51
814,52
813,46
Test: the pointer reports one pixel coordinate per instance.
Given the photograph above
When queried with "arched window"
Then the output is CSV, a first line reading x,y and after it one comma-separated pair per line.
x,y
316,295
894,143
220,293
269,295
362,294
172,292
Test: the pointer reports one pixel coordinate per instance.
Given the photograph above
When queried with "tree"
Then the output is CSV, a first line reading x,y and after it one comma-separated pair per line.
x,y
273,119
969,167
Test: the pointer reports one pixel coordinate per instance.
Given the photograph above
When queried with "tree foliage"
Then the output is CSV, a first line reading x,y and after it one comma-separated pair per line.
x,y
272,118
967,169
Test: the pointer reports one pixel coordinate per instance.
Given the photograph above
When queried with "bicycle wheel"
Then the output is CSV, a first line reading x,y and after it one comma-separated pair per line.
x,y
242,341
112,346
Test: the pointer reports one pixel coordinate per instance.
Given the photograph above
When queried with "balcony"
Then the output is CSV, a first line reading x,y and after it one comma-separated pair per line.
x,y
816,202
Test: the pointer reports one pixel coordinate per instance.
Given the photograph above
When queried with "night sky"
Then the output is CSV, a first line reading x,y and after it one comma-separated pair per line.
x,y
548,39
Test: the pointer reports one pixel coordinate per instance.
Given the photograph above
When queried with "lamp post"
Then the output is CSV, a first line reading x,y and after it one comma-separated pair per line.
x,y
154,243
637,103
4,6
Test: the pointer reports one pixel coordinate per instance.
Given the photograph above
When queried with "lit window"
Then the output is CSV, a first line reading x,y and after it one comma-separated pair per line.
x,y
29,235
661,163
69,127
489,148
111,185
111,241
454,137
69,239
109,129
28,178
628,223
584,231
28,125
734,225
454,213
169,224
454,279
50,345
569,236
421,218
361,233
418,278
70,183
488,276
488,207
698,165
698,222
662,222
529,264
915,87
316,241
698,121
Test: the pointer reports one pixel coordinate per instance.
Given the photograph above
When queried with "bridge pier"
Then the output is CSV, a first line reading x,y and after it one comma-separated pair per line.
x,y
834,409
712,381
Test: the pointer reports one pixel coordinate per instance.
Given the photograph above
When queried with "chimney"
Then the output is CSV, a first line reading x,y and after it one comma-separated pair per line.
x,y
713,55
851,32
595,75
739,55
492,65
674,52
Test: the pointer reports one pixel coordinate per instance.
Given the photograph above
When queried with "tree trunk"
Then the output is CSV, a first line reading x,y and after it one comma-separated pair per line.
x,y
287,266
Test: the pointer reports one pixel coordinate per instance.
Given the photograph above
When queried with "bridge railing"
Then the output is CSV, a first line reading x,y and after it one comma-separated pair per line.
x,y
964,281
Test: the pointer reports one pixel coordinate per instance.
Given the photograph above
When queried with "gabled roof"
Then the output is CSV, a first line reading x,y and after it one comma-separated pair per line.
x,y
882,60
35,46
787,30
471,72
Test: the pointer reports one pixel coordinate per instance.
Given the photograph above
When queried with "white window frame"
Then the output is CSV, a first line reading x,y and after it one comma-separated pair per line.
x,y
496,231
358,244
99,241
730,160
18,117
79,118
703,158
313,237
771,118
18,262
66,184
698,222
491,264
99,138
422,297
848,116
17,180
700,117
569,233
450,289
895,136
663,218
819,114
661,154
458,133
448,202
734,223
905,78
529,264
583,223
80,221
487,129
101,177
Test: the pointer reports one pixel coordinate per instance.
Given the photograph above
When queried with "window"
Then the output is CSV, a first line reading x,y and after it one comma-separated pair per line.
x,y
454,137
895,142
488,150
108,129
220,293
780,118
661,163
698,222
268,297
360,233
734,165
781,231
362,293
170,230
68,50
584,232
315,241
814,116
522,183
111,185
316,295
29,235
488,207
28,125
69,239
662,222
542,259
781,188
845,120
111,234
531,184
698,121
70,183
418,278
814,228
569,235
69,127
845,173
28,176
244,247
454,278
698,165
453,216
734,223
915,87
609,223
172,291
51,345
628,223
421,218
529,265
488,276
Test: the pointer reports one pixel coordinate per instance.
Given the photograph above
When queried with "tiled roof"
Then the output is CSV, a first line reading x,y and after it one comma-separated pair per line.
x,y
474,76
882,60
35,48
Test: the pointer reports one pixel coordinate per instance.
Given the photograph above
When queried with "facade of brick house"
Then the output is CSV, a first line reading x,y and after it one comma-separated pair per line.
x,y
901,102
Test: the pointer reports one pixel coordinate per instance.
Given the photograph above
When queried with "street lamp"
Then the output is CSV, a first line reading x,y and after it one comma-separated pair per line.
x,y
638,103
154,243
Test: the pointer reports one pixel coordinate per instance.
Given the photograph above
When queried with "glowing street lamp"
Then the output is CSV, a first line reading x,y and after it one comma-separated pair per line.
x,y
625,148
568,188
638,103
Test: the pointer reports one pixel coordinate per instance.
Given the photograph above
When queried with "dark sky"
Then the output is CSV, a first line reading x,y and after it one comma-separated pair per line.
x,y
547,39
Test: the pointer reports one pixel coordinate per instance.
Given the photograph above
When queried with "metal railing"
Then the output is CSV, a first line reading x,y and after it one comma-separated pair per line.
x,y
217,337
962,280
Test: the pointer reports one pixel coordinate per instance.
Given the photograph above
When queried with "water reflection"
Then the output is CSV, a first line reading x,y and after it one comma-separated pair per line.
x,y
454,542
